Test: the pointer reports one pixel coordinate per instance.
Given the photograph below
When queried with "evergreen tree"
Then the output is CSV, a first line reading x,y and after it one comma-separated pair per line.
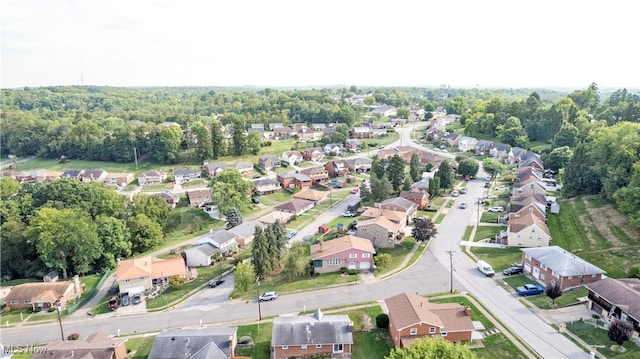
x,y
239,138
203,145
406,184
365,193
217,140
445,173
395,172
378,166
260,253
414,168
234,217
434,186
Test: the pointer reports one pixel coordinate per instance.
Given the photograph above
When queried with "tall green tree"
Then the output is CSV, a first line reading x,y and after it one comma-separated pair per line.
x,y
154,207
365,192
468,167
260,253
234,217
558,158
203,145
239,138
217,140
145,233
381,188
579,175
628,198
378,166
296,261
8,187
19,256
254,143
492,167
567,136
65,239
415,170
116,241
229,190
445,174
244,277
434,186
432,348
395,172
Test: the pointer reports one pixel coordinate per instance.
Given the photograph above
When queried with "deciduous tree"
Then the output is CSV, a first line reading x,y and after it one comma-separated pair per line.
x,y
145,233
424,229
432,348
553,291
620,331
203,145
395,172
229,190
468,167
296,261
244,277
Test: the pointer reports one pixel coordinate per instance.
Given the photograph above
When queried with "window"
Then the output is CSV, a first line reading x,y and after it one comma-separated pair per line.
x,y
366,255
15,301
542,276
353,255
285,347
413,331
337,348
27,301
333,262
432,330
444,334
318,346
304,346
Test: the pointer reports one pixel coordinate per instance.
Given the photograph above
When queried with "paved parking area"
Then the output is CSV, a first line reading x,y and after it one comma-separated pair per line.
x,y
131,309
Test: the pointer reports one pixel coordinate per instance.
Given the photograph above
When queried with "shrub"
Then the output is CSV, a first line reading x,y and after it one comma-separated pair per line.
x,y
382,260
382,321
343,270
51,309
176,281
353,271
73,336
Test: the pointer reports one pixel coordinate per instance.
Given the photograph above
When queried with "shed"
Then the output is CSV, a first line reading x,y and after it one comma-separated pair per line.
x,y
323,229
555,207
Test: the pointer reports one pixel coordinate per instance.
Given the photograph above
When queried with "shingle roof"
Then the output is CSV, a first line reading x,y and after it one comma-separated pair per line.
x,y
95,346
623,293
246,229
311,330
207,249
383,222
518,222
294,205
341,244
311,195
40,291
134,268
395,216
168,268
194,343
562,261
409,309
402,202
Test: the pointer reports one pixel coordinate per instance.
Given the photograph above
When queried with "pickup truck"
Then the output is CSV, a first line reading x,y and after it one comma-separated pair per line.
x,y
530,289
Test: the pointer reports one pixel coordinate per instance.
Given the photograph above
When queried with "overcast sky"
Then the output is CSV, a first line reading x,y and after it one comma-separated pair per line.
x,y
271,43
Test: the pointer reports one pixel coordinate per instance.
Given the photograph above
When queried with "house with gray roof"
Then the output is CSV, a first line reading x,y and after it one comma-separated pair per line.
x,y
318,335
500,151
619,298
554,264
195,343
266,185
401,204
483,147
93,175
215,168
245,231
72,173
185,175
223,240
359,164
200,255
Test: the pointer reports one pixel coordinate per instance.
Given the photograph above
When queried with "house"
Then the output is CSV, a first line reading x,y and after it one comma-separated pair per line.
x,y
555,265
170,198
524,173
182,176
619,298
531,159
296,206
393,216
266,185
527,230
383,111
421,186
466,144
119,178
305,134
245,231
361,132
47,176
380,231
318,335
198,198
150,177
200,255
312,195
515,155
223,240
333,149
95,346
276,216
452,139
378,132
274,125
353,144
421,199
93,176
43,295
328,131
294,180
243,167
71,173
500,151
269,162
318,126
313,154
215,168
401,204
317,174
412,317
349,252
4,291
359,164
137,275
527,187
337,168
257,127
535,209
435,134
282,133
291,157
195,343
483,147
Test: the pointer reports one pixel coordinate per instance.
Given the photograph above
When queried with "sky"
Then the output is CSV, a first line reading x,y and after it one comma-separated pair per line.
x,y
273,43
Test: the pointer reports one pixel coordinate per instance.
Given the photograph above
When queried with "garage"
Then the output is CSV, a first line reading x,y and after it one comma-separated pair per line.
x,y
136,290
365,265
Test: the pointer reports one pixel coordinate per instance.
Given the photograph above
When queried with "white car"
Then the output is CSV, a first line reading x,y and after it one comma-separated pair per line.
x,y
454,193
502,188
496,209
268,296
490,196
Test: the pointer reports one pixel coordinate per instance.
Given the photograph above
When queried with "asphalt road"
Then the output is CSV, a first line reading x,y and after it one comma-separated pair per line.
x,y
430,275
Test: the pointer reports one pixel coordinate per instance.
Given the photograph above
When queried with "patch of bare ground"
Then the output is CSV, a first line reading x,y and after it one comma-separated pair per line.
x,y
605,216
367,323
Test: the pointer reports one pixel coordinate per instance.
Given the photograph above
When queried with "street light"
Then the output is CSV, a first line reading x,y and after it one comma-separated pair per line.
x,y
258,294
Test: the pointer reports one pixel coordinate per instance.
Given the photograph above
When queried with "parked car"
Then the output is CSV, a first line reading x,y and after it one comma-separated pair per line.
x,y
463,205
454,194
463,190
268,296
125,300
114,302
530,289
215,282
491,196
137,299
512,270
255,200
502,188
496,209
487,184
292,234
349,214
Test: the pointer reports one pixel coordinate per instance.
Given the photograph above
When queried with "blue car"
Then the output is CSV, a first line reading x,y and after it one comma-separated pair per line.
x,y
291,234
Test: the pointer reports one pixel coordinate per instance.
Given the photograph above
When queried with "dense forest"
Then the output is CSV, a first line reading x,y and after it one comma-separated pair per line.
x,y
591,140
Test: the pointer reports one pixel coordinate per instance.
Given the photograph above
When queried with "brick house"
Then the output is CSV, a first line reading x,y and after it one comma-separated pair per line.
x,y
619,298
359,164
139,274
380,231
119,178
269,162
337,168
400,204
421,199
312,195
215,168
361,132
317,335
555,265
353,144
281,133
95,346
151,177
198,198
44,295
266,185
217,342
483,147
317,174
349,252
294,180
393,216
313,154
171,199
412,317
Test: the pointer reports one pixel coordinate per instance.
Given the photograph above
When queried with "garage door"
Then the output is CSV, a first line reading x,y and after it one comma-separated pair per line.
x,y
365,265
136,290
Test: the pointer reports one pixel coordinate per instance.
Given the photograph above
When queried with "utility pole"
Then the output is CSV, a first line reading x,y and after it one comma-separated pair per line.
x,y
135,156
258,297
451,267
60,321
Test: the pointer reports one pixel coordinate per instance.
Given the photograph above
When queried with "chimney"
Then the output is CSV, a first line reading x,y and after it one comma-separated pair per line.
x,y
467,311
350,327
321,245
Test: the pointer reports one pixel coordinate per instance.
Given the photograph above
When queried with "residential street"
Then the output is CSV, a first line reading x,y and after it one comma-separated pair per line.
x,y
429,275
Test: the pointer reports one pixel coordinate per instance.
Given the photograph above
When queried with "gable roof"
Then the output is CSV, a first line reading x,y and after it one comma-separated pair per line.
x,y
186,172
294,205
168,268
134,268
341,244
311,195
413,195
206,248
246,229
310,330
382,222
410,309
518,222
501,147
399,201
623,293
194,343
312,171
38,291
394,216
562,261
266,182
95,346
220,237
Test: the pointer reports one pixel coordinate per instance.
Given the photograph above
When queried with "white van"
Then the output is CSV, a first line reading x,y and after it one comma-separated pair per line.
x,y
485,268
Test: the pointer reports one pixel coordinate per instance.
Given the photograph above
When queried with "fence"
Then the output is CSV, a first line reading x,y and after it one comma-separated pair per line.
x,y
91,294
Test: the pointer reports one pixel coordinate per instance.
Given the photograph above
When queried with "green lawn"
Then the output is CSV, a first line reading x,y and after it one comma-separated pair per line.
x,y
567,298
475,313
195,183
596,336
499,258
498,346
467,233
373,344
14,316
261,335
397,254
140,347
281,285
487,232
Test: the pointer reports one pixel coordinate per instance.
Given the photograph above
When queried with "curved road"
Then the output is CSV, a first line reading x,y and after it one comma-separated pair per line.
x,y
430,275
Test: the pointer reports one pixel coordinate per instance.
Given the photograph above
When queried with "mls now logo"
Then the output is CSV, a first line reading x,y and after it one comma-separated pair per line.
x,y
22,349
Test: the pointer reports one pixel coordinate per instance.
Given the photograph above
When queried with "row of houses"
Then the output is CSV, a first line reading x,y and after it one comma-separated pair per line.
x,y
85,175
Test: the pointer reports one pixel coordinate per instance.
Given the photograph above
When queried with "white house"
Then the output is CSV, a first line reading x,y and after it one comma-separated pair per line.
x,y
467,144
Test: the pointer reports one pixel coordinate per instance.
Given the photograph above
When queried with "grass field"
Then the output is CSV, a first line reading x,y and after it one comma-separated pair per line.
x,y
567,298
498,346
592,229
487,232
140,347
596,336
499,258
